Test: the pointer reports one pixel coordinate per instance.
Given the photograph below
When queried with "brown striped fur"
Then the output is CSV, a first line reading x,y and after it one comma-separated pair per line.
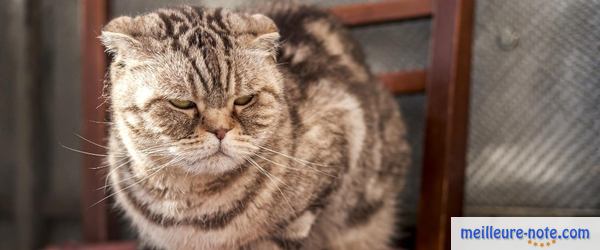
x,y
314,161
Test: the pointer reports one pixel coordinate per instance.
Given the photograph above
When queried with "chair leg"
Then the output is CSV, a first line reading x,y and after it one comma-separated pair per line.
x,y
446,122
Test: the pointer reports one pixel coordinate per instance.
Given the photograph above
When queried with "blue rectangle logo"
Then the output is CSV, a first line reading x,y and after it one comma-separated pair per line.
x,y
516,233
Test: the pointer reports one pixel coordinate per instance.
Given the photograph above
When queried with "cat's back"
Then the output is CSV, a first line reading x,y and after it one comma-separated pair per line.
x,y
342,109
331,85
315,45
327,70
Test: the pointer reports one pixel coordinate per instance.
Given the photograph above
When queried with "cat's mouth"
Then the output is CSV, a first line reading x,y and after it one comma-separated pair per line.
x,y
213,158
219,153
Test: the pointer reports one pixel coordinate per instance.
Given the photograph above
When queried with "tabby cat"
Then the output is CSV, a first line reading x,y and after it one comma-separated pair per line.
x,y
237,130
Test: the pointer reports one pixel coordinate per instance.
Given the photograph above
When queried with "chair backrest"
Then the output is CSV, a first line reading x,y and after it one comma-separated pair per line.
x,y
445,82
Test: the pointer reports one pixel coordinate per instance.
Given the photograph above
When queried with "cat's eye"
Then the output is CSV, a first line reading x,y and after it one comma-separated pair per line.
x,y
243,100
182,104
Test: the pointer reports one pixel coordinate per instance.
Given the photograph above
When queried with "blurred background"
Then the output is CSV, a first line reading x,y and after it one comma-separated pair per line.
x,y
534,131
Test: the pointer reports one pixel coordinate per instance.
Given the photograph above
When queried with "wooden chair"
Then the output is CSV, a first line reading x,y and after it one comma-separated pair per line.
x,y
445,82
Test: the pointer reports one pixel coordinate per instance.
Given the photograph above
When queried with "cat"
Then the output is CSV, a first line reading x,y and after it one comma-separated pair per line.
x,y
234,129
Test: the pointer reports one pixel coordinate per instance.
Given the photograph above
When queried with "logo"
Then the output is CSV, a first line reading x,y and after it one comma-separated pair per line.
x,y
524,233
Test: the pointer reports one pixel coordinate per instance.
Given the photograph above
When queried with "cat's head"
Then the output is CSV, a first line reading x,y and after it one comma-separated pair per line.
x,y
193,87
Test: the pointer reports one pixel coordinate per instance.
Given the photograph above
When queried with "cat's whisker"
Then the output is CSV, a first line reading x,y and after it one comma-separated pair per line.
x,y
130,159
103,165
289,167
91,153
102,103
272,178
101,122
139,181
125,179
153,150
297,169
90,141
123,154
112,171
84,152
291,157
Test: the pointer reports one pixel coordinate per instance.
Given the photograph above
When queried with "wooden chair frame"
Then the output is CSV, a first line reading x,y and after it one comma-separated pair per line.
x,y
445,82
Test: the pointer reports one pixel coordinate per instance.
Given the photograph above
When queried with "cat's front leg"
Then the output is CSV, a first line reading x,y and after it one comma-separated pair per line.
x,y
299,228
292,237
271,244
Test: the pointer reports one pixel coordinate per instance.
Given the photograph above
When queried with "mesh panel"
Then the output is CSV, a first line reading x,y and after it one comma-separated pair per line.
x,y
395,46
534,145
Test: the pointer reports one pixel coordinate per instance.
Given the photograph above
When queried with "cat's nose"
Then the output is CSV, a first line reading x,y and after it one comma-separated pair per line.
x,y
220,133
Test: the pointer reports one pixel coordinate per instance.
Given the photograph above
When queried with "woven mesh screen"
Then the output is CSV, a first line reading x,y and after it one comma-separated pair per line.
x,y
534,146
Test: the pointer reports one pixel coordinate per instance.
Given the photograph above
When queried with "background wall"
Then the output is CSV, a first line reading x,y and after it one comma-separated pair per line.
x,y
535,114
39,111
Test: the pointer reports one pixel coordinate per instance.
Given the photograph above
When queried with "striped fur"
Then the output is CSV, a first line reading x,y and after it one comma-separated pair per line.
x,y
314,161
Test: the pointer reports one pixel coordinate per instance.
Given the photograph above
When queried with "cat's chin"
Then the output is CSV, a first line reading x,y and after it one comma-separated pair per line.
x,y
217,163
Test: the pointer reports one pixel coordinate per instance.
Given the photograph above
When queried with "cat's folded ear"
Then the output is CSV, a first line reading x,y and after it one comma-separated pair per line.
x,y
116,36
267,35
